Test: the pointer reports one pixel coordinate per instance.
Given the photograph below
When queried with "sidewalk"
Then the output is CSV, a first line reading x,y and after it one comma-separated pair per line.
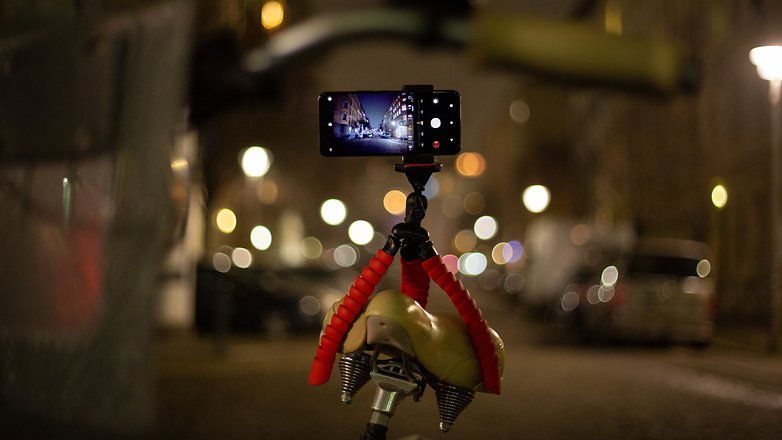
x,y
740,352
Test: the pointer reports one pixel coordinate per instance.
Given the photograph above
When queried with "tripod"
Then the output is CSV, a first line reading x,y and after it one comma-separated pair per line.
x,y
420,263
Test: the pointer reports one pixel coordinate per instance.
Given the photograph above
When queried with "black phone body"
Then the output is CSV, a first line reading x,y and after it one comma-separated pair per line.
x,y
390,123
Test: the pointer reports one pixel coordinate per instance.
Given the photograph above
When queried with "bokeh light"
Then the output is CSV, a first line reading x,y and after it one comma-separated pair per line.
x,y
465,240
345,255
451,262
394,202
703,269
267,191
485,227
768,60
470,164
580,234
333,212
502,253
452,206
311,248
536,198
255,161
361,232
225,221
221,262
474,203
519,111
472,263
272,15
518,251
241,257
609,276
261,237
719,196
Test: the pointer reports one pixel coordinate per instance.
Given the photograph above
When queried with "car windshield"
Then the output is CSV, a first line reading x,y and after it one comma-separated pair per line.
x,y
664,265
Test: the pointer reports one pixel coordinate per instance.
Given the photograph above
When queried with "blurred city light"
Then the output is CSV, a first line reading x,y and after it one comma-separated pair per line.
x,y
502,253
474,203
452,206
518,251
470,164
451,262
580,234
333,212
719,196
267,191
768,60
261,237
703,269
465,240
569,301
225,221
536,198
309,305
513,283
472,263
519,111
241,257
485,227
361,232
221,262
394,202
272,15
345,255
311,248
255,161
609,276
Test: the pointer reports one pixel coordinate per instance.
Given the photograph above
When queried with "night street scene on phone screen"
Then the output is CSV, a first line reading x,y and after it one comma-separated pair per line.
x,y
378,123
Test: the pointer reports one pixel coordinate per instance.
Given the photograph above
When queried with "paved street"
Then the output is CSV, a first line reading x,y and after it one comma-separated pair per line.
x,y
553,388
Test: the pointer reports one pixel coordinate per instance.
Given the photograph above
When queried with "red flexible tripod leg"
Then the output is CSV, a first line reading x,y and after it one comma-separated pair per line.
x,y
352,304
472,316
415,281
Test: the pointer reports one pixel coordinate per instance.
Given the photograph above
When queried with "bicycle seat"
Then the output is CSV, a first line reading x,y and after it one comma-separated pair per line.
x,y
439,341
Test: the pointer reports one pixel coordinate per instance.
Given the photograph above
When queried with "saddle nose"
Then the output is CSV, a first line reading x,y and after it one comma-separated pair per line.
x,y
385,331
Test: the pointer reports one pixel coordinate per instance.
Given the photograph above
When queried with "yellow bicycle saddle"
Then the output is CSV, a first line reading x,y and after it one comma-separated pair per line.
x,y
439,341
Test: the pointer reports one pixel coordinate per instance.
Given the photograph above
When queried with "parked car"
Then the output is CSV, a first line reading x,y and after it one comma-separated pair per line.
x,y
662,291
274,303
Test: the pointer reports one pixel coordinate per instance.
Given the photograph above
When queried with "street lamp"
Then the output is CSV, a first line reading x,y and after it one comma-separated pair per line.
x,y
768,60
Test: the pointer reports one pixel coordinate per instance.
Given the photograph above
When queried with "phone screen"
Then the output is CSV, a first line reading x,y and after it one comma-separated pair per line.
x,y
367,123
390,123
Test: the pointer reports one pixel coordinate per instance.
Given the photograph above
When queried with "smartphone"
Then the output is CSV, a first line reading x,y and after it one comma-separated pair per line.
x,y
389,123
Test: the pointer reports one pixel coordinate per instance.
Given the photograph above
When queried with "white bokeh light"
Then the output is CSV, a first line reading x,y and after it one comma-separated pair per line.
x,y
361,232
261,237
485,227
536,198
333,212
241,257
256,161
345,255
472,263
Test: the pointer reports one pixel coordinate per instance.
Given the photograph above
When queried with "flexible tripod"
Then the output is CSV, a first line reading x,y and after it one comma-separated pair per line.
x,y
420,263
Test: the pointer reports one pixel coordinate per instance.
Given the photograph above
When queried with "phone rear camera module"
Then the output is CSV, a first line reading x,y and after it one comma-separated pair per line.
x,y
435,123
